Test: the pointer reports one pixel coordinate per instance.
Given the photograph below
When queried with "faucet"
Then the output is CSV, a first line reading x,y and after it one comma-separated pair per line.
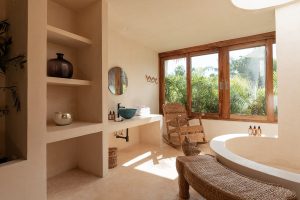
x,y
119,106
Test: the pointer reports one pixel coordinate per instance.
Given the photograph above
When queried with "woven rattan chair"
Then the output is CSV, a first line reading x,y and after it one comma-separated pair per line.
x,y
179,125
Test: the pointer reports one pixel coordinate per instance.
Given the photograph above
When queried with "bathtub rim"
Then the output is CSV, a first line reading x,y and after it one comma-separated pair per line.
x,y
218,145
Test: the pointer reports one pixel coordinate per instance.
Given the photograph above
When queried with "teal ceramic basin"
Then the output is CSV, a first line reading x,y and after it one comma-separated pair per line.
x,y
127,113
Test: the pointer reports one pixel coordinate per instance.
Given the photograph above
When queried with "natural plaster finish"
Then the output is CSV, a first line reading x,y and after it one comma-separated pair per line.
x,y
124,182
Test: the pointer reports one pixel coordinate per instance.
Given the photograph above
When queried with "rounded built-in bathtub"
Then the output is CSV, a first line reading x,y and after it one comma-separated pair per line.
x,y
258,157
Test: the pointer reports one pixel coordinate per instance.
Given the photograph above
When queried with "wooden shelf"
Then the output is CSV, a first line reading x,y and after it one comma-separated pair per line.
x,y
67,82
60,36
76,129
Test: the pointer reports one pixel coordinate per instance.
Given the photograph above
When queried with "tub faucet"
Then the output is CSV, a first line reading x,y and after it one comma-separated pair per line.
x,y
119,106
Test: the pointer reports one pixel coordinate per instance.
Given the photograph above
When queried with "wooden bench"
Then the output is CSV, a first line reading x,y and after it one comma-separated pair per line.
x,y
216,182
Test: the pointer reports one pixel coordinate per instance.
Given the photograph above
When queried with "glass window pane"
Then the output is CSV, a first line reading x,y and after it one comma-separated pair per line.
x,y
205,93
275,85
175,81
247,81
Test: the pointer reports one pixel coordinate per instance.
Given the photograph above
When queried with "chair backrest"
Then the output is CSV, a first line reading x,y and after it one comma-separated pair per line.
x,y
173,110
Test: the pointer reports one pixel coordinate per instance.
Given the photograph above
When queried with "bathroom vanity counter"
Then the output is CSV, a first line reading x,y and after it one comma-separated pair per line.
x,y
150,128
133,122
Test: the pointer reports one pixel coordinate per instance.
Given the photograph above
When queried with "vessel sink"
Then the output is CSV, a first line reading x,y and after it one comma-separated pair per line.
x,y
127,113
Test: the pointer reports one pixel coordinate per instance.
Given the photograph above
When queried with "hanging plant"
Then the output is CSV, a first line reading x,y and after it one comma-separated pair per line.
x,y
5,42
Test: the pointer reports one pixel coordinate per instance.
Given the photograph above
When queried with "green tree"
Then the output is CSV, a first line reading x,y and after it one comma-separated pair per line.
x,y
175,87
205,92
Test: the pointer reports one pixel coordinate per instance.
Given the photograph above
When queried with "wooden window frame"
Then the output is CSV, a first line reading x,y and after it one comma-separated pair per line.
x,y
223,48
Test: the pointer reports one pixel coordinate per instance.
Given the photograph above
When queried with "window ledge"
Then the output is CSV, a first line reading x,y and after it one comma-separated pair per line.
x,y
242,119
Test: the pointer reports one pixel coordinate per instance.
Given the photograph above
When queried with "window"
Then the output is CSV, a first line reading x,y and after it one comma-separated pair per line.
x,y
248,81
205,86
234,79
175,81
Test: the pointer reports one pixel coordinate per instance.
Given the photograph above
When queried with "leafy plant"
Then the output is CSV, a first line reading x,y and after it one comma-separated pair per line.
x,y
6,62
4,111
5,42
14,95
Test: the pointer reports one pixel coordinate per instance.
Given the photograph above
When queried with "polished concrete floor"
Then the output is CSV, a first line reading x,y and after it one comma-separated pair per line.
x,y
144,172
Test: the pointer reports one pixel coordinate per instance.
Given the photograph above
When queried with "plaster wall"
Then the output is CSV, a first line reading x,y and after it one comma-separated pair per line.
x,y
25,179
137,61
214,128
288,49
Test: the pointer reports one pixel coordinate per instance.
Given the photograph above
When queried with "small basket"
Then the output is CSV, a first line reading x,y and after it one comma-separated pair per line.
x,y
190,148
112,157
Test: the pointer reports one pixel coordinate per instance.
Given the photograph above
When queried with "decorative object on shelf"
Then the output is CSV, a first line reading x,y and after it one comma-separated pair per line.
x,y
143,111
190,148
5,42
250,130
259,132
59,67
15,96
151,79
62,119
117,81
254,131
112,157
111,115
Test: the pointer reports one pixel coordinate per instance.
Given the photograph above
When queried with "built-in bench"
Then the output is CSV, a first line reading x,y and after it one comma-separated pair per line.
x,y
216,182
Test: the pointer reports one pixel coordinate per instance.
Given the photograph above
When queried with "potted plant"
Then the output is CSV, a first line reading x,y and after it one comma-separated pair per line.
x,y
7,62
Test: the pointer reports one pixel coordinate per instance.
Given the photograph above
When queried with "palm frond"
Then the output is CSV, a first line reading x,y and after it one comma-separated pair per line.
x,y
4,26
14,95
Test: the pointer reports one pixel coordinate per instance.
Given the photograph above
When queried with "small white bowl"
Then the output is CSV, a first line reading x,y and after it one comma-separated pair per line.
x,y
62,119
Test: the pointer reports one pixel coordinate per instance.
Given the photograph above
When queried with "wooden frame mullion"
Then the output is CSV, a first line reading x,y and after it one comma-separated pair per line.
x,y
225,79
161,84
269,81
223,48
189,84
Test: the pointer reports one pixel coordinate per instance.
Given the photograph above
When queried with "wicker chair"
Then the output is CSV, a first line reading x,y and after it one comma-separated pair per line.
x,y
178,125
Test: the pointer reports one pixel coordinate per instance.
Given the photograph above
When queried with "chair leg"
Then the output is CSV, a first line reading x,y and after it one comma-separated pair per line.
x,y
184,193
182,183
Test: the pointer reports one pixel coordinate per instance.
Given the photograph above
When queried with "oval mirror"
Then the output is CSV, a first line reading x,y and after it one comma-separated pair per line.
x,y
117,81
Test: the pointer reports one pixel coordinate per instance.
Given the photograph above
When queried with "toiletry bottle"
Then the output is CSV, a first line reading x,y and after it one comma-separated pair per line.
x,y
259,131
113,115
109,115
250,130
254,131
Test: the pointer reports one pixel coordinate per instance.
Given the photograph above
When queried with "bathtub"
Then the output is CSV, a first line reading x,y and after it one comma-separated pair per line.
x,y
257,157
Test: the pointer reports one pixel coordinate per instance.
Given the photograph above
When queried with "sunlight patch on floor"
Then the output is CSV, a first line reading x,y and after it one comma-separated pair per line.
x,y
163,167
137,159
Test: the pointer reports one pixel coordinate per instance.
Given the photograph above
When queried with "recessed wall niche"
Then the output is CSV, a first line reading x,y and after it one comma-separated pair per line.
x,y
13,82
74,29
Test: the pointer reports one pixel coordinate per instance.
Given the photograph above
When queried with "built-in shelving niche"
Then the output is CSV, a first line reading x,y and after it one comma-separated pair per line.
x,y
13,126
76,153
74,28
76,32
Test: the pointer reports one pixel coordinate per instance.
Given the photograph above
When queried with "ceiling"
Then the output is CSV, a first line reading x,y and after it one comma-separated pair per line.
x,y
164,25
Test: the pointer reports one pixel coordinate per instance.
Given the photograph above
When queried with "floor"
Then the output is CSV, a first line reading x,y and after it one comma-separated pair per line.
x,y
144,172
